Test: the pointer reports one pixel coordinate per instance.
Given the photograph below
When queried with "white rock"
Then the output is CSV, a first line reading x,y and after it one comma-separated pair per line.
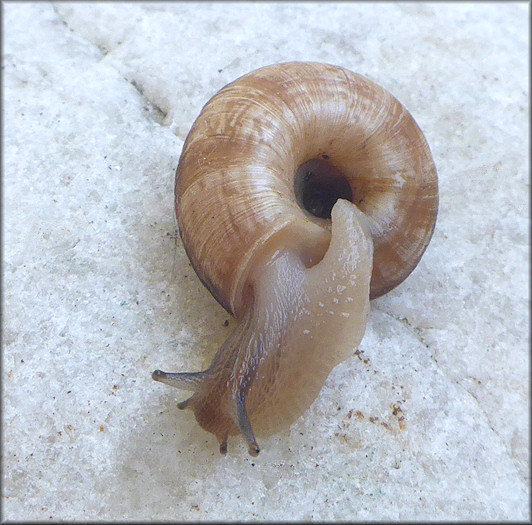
x,y
429,419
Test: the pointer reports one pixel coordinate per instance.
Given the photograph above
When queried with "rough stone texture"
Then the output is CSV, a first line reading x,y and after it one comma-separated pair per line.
x,y
428,420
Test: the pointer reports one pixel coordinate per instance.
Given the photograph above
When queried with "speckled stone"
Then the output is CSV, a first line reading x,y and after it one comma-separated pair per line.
x,y
429,418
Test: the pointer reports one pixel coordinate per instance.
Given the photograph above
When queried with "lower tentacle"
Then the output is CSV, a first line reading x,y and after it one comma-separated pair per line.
x,y
223,445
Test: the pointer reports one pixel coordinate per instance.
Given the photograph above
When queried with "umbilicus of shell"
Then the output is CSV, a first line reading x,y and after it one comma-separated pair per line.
x,y
303,191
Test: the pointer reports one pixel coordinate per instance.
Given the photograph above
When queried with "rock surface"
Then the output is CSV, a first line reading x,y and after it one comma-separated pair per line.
x,y
428,420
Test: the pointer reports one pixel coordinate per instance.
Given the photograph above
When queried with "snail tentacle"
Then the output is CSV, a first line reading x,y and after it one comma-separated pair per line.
x,y
182,380
245,425
187,403
223,445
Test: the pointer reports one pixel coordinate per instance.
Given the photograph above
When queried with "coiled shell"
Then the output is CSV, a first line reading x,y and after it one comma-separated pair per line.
x,y
235,190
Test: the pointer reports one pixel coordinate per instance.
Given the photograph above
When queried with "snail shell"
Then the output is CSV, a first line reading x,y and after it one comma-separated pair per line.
x,y
302,191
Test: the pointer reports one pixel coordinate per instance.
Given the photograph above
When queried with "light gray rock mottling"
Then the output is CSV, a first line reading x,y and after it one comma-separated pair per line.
x,y
428,420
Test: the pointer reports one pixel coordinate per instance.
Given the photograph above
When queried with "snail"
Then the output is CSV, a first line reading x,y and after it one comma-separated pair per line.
x,y
303,190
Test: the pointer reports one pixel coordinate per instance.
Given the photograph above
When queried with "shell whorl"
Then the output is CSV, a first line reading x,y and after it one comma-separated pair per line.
x,y
235,179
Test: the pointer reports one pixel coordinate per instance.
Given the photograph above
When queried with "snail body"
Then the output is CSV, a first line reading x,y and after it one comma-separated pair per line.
x,y
302,191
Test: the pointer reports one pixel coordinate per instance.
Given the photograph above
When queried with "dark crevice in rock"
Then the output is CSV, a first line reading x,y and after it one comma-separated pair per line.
x,y
156,113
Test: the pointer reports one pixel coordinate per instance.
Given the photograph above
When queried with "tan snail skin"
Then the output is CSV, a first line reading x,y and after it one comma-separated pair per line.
x,y
303,191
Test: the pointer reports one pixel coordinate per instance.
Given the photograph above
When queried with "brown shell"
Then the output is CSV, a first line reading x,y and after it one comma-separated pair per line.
x,y
235,179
